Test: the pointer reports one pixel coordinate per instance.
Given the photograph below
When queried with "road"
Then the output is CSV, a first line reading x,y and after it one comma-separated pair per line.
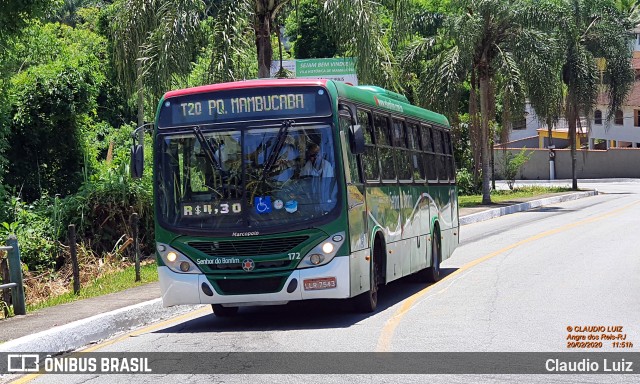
x,y
515,284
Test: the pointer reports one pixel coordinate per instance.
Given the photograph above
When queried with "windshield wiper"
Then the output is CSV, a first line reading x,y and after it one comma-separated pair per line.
x,y
208,150
275,152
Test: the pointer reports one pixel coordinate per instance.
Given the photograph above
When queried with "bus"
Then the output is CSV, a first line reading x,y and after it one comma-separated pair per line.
x,y
276,190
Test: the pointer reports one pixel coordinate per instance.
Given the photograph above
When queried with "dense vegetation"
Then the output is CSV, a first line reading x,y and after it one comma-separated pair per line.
x,y
76,76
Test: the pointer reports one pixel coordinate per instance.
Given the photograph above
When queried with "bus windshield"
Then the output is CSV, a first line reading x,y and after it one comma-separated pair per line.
x,y
248,177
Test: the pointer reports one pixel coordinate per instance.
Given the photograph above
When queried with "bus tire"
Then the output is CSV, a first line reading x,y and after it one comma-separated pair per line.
x,y
432,274
221,311
367,302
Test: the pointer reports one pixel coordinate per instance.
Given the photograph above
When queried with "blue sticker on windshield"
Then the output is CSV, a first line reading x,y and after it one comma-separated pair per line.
x,y
291,206
262,204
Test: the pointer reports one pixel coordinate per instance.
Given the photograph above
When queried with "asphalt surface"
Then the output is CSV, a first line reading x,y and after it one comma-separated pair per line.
x,y
74,325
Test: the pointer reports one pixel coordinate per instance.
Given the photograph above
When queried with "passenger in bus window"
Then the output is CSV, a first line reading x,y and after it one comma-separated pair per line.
x,y
316,165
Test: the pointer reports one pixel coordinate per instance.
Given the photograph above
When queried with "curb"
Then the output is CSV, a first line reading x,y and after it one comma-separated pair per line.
x,y
496,212
83,332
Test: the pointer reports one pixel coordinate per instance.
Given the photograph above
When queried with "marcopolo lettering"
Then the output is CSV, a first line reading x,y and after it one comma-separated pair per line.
x,y
242,234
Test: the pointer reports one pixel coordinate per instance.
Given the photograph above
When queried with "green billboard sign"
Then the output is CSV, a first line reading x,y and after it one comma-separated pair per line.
x,y
341,69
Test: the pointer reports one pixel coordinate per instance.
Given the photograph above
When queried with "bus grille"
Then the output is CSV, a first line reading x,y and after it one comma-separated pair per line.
x,y
248,247
250,286
258,265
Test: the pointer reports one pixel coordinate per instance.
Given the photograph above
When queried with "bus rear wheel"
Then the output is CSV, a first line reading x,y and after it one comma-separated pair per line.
x,y
221,311
432,274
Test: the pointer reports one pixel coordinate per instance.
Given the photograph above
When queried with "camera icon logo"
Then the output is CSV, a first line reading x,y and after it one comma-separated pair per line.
x,y
21,363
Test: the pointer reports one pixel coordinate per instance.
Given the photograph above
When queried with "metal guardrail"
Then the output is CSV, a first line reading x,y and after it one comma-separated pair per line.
x,y
15,276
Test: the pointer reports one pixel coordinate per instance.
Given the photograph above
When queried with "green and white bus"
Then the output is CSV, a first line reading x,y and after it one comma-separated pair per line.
x,y
270,191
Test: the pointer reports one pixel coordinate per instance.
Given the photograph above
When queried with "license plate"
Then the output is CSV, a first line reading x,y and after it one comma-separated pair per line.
x,y
321,283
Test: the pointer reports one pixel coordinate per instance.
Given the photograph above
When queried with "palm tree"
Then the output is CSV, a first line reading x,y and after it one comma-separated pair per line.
x,y
359,29
493,44
153,41
231,52
590,30
631,8
355,24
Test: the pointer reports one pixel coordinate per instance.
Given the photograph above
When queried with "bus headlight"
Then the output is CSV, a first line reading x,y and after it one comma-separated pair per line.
x,y
316,259
176,261
324,252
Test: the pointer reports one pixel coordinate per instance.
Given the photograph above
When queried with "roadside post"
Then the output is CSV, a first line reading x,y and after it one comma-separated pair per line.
x,y
15,273
134,230
74,259
552,162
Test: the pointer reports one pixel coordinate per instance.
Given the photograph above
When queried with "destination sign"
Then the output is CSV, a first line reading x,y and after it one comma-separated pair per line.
x,y
245,104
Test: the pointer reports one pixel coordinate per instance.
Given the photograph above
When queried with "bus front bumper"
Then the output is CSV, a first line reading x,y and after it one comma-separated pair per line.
x,y
184,288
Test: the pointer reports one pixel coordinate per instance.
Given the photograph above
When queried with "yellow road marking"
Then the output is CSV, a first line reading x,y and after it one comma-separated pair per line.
x,y
149,328
384,342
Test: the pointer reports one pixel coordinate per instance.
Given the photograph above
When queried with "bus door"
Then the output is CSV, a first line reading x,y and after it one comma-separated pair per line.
x,y
356,203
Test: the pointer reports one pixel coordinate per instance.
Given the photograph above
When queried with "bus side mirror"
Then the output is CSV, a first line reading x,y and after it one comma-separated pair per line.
x,y
136,167
137,161
357,139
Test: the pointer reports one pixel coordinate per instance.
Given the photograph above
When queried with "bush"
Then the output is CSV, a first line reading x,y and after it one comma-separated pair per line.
x,y
31,224
511,165
102,208
466,184
52,101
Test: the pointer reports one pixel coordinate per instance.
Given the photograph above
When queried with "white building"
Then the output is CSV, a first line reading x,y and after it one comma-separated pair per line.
x,y
623,131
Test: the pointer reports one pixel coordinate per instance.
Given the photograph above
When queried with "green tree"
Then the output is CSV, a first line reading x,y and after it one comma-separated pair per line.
x,y
230,53
370,31
362,28
153,41
15,14
497,47
588,30
52,100
630,8
309,34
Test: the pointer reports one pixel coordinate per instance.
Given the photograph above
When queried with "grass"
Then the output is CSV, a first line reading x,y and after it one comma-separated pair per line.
x,y
498,196
113,282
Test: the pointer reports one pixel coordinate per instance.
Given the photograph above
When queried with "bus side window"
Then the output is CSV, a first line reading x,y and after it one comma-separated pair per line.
x,y
402,154
385,151
345,124
369,158
450,159
364,119
441,168
428,153
416,160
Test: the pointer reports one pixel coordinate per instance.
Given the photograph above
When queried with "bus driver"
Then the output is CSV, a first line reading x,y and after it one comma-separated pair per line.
x,y
316,165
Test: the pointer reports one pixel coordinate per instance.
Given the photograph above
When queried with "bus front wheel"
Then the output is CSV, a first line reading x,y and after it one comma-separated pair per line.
x,y
368,301
221,311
